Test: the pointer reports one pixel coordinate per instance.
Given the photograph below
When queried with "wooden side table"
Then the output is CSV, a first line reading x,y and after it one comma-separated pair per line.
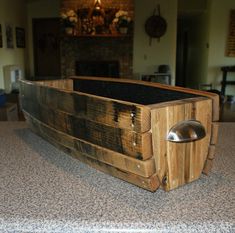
x,y
225,70
9,112
164,78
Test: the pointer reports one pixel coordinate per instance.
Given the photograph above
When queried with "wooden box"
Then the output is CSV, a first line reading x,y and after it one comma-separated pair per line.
x,y
125,127
9,112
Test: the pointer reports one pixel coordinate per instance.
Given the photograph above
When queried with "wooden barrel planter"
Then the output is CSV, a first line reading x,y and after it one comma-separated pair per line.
x,y
148,134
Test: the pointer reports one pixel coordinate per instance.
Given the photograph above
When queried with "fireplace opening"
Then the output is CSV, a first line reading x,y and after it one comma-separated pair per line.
x,y
98,68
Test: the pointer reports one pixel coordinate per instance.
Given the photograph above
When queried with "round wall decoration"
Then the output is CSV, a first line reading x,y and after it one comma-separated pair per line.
x,y
155,25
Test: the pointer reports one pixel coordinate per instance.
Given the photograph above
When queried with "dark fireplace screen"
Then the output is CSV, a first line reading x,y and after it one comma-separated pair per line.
x,y
98,68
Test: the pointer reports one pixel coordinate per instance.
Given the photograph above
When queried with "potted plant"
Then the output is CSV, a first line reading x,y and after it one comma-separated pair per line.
x,y
69,20
122,21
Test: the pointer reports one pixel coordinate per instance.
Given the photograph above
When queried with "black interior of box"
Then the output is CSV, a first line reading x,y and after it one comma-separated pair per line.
x,y
131,92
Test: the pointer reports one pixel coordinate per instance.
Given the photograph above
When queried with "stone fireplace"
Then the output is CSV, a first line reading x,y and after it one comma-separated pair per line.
x,y
98,68
94,49
112,53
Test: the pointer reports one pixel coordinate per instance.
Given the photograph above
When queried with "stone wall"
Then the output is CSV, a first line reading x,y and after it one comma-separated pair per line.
x,y
97,48
105,47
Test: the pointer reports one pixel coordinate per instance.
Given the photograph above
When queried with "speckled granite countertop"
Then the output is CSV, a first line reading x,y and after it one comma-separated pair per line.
x,y
44,190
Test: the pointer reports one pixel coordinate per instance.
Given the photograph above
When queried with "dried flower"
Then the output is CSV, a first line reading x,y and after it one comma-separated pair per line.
x,y
122,19
69,18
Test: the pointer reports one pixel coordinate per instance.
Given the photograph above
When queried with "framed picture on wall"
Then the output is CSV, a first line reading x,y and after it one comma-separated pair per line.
x,y
20,37
230,48
9,36
0,36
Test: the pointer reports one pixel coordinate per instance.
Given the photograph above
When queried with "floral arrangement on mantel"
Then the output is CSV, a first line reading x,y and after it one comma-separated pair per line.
x,y
69,18
122,19
78,22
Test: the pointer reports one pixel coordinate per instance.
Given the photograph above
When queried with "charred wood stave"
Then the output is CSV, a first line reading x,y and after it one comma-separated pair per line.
x,y
120,140
119,168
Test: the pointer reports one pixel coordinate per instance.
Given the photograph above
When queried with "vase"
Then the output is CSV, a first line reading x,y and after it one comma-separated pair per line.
x,y
69,30
123,30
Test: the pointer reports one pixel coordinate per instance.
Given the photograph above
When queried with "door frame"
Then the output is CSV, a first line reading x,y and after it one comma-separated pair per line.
x,y
35,57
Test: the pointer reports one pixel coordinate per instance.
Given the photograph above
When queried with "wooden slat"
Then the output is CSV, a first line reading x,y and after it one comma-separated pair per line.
x,y
210,157
142,168
208,166
211,153
214,133
150,183
65,84
203,113
95,108
213,96
120,140
179,163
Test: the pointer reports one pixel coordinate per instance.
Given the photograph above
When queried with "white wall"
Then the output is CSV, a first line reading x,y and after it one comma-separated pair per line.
x,y
14,13
39,9
146,58
218,31
191,6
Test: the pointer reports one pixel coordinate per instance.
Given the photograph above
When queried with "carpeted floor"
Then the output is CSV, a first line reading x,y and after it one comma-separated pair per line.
x,y
45,190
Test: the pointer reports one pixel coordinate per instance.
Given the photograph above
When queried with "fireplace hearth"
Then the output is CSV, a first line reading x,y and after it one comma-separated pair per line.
x,y
98,68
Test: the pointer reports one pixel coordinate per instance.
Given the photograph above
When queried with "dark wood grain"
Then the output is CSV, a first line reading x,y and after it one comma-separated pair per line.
x,y
102,110
120,140
149,183
143,168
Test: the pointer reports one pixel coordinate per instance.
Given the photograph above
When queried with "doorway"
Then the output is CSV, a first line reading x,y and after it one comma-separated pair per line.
x,y
46,38
182,53
192,50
